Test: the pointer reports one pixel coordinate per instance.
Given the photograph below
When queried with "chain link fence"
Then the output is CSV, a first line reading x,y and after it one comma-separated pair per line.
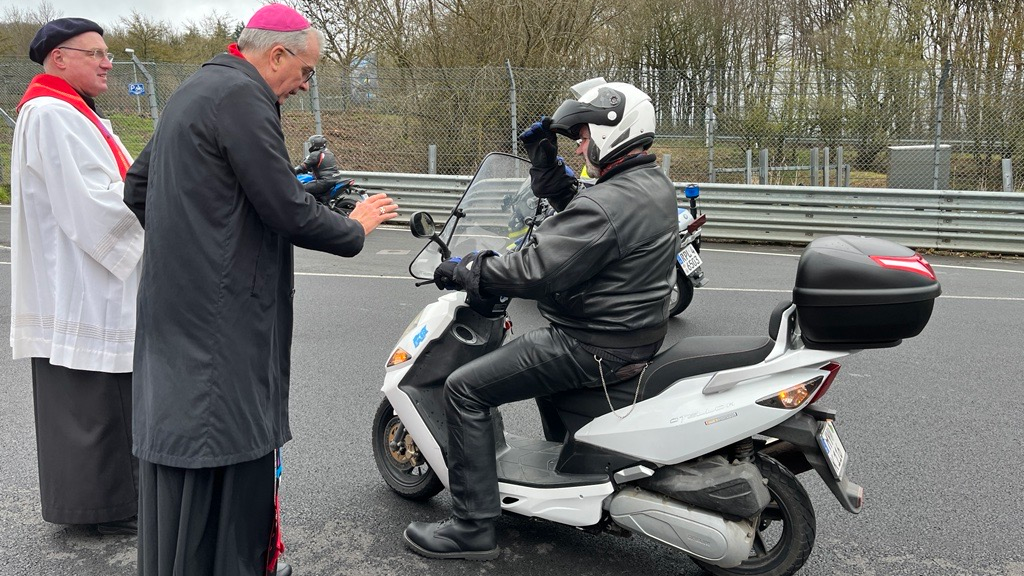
x,y
922,128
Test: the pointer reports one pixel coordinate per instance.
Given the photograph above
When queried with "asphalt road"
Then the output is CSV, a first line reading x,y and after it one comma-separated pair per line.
x,y
933,429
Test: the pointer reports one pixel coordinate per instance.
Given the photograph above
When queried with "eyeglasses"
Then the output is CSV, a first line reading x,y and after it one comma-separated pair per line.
x,y
312,71
94,53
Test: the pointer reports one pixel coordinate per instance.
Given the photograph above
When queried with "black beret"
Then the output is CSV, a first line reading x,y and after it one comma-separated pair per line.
x,y
55,33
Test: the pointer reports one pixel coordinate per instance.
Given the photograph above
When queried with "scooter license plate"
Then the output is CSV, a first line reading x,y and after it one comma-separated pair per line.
x,y
691,260
832,448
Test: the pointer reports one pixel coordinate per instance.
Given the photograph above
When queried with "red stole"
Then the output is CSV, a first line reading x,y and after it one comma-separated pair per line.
x,y
54,87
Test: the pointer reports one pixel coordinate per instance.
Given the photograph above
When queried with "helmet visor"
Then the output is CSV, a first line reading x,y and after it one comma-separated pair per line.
x,y
605,109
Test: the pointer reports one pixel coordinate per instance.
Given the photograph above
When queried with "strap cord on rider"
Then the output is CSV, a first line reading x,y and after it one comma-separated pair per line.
x,y
604,386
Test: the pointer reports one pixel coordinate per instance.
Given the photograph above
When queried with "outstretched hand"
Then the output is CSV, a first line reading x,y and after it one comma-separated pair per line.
x,y
374,211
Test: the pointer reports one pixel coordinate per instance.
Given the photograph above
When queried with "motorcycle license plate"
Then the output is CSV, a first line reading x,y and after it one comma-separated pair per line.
x,y
832,448
691,260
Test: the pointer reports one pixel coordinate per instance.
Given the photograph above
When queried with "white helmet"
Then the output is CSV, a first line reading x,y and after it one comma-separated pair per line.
x,y
620,117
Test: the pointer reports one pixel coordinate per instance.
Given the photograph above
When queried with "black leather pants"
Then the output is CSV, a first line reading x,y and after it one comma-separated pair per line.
x,y
539,363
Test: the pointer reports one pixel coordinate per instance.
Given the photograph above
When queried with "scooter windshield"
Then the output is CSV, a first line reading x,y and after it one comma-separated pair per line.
x,y
491,215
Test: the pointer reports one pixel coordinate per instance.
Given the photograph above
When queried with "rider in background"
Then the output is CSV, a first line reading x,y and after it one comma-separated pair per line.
x,y
321,163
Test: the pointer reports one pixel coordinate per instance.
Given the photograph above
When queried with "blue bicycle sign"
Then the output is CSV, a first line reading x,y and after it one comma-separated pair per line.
x,y
136,89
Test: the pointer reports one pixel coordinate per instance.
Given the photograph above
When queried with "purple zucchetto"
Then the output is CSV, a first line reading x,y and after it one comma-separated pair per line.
x,y
278,18
56,32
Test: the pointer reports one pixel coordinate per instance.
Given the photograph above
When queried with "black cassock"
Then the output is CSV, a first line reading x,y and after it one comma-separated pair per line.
x,y
87,474
206,521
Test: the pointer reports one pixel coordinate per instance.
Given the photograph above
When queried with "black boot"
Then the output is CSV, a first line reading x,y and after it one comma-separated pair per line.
x,y
453,538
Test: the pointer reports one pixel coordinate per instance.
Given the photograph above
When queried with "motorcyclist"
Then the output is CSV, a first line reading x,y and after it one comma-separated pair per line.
x,y
600,271
321,163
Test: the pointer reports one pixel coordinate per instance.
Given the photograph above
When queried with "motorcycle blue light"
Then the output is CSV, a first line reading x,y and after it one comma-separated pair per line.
x,y
691,191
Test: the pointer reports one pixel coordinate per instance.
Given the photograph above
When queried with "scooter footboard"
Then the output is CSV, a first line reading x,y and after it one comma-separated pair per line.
x,y
799,450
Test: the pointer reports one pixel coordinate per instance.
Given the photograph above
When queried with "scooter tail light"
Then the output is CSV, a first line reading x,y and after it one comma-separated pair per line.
x,y
794,396
833,370
397,357
915,264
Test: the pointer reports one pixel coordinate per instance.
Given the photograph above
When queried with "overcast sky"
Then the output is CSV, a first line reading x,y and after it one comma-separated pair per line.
x,y
175,12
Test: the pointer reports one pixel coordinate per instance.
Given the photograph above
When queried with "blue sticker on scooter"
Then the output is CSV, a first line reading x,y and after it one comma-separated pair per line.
x,y
419,337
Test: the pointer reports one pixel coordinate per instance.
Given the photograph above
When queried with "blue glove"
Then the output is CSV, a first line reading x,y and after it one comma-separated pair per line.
x,y
541,143
444,274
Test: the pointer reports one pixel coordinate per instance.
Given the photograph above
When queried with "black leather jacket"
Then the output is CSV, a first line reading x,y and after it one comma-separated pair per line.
x,y
322,164
602,268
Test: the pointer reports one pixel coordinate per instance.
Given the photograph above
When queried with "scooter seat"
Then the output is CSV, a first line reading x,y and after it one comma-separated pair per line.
x,y
688,357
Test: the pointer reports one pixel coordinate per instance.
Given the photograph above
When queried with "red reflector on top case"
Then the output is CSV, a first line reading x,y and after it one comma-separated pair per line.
x,y
914,264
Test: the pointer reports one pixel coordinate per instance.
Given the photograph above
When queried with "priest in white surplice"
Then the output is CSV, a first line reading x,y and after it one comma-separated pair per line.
x,y
75,260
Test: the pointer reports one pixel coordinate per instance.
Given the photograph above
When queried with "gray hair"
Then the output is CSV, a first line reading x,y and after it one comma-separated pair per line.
x,y
257,40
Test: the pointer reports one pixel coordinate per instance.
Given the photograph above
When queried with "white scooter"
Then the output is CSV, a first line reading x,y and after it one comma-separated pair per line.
x,y
700,453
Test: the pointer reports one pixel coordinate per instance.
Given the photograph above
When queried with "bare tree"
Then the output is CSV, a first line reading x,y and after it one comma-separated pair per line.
x,y
19,26
151,39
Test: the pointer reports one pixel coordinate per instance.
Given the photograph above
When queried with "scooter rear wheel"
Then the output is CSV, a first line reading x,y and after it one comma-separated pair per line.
x,y
785,532
681,295
398,459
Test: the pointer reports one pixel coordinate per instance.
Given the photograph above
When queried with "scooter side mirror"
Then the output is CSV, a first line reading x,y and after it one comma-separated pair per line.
x,y
422,225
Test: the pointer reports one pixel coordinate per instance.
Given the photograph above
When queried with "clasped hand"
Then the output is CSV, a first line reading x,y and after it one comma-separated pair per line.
x,y
444,274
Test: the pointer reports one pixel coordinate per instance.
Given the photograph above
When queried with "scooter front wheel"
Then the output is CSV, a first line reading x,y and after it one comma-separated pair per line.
x,y
785,531
399,460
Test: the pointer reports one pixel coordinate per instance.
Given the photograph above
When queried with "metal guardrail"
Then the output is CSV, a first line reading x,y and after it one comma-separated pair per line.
x,y
939,219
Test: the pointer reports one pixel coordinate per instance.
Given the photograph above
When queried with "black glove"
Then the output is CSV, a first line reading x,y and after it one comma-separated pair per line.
x,y
549,177
541,143
444,274
467,275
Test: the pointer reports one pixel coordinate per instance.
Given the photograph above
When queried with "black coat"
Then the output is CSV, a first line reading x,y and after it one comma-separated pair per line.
x,y
222,210
603,267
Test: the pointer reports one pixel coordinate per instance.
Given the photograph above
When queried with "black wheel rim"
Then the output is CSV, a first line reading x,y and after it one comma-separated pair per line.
x,y
773,534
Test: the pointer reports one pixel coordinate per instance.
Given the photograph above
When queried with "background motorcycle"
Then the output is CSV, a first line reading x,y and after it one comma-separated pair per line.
x,y
701,450
689,265
340,197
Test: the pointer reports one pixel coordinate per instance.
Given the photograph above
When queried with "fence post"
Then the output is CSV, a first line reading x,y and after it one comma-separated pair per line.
x,y
432,159
153,111
748,174
828,166
762,169
814,166
938,122
666,163
1007,175
839,165
709,126
512,102
314,97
